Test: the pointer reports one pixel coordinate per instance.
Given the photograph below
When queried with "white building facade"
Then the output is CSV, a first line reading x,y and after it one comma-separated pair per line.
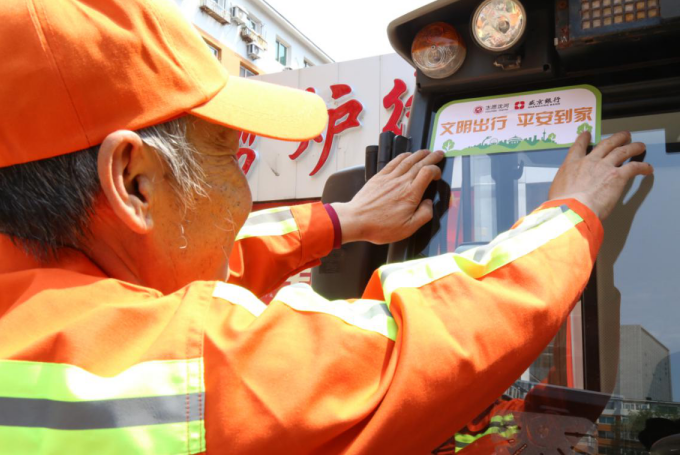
x,y
364,98
250,37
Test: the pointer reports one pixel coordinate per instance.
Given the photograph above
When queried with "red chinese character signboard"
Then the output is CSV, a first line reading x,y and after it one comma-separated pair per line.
x,y
393,101
340,119
409,103
343,115
246,139
305,144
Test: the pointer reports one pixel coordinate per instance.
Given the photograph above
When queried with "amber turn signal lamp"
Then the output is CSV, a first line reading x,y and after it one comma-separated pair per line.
x,y
438,50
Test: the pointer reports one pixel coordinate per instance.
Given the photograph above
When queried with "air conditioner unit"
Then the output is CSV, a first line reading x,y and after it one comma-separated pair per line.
x,y
254,51
239,15
215,10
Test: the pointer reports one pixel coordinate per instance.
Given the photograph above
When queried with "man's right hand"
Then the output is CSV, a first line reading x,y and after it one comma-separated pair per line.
x,y
598,179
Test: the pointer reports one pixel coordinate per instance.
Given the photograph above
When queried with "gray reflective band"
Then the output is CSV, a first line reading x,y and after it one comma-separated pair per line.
x,y
109,414
268,217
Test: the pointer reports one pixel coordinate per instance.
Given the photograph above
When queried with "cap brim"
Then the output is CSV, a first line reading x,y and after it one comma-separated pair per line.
x,y
265,109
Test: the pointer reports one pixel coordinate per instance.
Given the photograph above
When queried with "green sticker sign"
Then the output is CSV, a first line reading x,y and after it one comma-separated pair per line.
x,y
539,120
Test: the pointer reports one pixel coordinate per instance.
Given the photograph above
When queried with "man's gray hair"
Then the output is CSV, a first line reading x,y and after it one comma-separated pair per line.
x,y
170,141
47,204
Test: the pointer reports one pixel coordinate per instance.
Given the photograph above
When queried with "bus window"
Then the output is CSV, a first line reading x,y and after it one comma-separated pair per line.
x,y
609,382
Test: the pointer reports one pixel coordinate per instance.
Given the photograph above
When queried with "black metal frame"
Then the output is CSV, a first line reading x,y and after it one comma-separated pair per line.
x,y
634,66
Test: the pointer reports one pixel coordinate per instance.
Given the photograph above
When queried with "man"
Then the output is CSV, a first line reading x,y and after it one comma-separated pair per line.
x,y
120,205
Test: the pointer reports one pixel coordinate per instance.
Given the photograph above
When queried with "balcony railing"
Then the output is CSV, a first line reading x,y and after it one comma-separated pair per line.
x,y
261,42
216,11
251,36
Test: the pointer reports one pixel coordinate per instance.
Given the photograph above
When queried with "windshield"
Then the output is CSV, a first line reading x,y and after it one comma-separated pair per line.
x,y
622,341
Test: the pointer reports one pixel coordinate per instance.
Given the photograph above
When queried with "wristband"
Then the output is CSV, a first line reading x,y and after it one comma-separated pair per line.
x,y
337,230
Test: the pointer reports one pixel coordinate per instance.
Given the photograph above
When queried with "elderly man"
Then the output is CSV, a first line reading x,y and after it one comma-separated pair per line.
x,y
122,208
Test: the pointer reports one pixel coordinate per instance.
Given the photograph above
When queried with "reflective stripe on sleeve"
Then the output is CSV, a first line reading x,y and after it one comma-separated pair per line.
x,y
275,214
503,426
507,432
534,231
415,273
176,438
152,407
277,221
367,314
65,382
503,419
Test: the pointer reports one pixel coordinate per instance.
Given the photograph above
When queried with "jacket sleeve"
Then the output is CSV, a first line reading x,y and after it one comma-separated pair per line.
x,y
430,345
277,243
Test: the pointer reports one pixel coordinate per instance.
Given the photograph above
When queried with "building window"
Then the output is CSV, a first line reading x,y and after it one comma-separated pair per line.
x,y
606,435
214,49
245,72
254,24
220,3
308,64
281,53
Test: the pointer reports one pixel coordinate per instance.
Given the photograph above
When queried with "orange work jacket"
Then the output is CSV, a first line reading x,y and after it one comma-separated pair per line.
x,y
91,364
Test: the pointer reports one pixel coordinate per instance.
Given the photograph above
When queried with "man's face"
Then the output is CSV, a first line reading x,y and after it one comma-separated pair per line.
x,y
198,240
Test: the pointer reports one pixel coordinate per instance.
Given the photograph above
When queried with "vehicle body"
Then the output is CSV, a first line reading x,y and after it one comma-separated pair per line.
x,y
610,380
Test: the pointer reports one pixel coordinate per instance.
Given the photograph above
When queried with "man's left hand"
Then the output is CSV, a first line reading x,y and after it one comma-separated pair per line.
x,y
389,208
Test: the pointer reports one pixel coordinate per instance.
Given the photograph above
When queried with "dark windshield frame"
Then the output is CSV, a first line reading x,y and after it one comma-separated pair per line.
x,y
619,101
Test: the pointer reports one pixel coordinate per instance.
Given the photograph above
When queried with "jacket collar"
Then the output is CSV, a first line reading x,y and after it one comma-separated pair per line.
x,y
14,259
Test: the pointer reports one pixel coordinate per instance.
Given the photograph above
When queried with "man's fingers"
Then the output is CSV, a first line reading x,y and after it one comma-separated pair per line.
x,y
619,155
632,169
425,175
422,215
429,160
415,158
578,150
412,162
396,162
603,149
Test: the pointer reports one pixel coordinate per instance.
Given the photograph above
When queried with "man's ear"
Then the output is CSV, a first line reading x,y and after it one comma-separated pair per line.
x,y
126,173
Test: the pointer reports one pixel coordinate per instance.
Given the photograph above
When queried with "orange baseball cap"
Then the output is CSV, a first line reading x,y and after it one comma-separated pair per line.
x,y
73,71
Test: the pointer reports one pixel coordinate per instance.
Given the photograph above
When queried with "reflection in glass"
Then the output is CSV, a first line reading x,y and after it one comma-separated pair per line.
x,y
631,331
637,297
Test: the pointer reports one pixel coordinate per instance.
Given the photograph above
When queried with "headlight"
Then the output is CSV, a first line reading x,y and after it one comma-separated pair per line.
x,y
438,50
498,25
